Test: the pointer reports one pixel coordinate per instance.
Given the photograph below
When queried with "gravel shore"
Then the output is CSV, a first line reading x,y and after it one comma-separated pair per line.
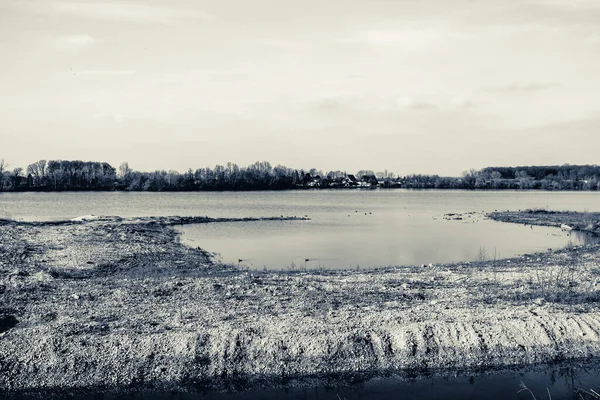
x,y
118,303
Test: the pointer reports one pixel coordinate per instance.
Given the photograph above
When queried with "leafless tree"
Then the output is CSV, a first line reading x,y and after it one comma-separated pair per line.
x,y
124,170
37,171
3,166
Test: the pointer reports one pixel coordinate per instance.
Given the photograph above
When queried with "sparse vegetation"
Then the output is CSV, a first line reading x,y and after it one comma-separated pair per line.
x,y
581,221
481,254
524,388
587,394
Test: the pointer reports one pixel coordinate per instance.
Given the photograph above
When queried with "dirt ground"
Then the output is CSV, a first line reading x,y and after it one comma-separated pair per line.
x,y
116,303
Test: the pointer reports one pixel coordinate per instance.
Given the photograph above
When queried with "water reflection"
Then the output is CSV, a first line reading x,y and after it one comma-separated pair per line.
x,y
395,238
577,238
562,382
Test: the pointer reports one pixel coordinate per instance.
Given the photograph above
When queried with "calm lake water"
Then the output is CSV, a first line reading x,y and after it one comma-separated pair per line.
x,y
348,228
559,380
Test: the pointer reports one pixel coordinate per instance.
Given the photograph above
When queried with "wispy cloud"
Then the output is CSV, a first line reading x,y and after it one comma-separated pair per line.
x,y
538,15
105,72
409,39
443,105
116,117
71,42
126,11
521,87
407,102
217,75
567,4
462,102
378,105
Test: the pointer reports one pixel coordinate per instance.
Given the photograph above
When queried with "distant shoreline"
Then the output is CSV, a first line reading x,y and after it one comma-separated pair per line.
x,y
307,189
59,175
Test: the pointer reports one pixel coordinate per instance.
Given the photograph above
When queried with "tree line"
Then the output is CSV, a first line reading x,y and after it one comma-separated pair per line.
x,y
65,175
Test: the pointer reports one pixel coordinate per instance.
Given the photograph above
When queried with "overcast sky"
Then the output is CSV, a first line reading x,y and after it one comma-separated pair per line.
x,y
412,86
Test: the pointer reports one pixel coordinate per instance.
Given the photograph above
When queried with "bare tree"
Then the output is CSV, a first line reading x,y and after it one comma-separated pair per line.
x,y
37,171
3,166
124,170
364,172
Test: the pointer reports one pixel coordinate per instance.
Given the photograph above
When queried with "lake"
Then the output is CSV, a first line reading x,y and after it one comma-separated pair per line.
x,y
347,228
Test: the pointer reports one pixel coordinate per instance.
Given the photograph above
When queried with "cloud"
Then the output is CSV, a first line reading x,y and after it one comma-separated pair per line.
x,y
409,39
572,11
105,72
567,4
72,42
126,12
203,76
457,102
336,107
407,102
584,127
116,117
538,15
521,87
461,102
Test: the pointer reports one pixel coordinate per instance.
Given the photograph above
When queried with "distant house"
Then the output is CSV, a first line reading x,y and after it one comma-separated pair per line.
x,y
350,181
315,182
385,182
368,181
338,182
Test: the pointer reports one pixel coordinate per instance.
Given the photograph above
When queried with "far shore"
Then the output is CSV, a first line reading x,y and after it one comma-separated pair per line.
x,y
119,303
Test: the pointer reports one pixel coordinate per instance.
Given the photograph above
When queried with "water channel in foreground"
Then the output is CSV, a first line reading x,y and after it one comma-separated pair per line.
x,y
561,381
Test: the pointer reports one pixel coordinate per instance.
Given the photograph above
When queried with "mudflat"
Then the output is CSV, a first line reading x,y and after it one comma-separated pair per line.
x,y
113,303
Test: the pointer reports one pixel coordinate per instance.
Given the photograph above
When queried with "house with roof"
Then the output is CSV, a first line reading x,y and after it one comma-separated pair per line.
x,y
368,181
350,181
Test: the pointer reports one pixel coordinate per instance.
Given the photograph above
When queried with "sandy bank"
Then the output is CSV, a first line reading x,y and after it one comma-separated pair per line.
x,y
113,302
582,221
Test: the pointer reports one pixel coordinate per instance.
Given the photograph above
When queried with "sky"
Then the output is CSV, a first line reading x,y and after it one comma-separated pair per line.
x,y
411,86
